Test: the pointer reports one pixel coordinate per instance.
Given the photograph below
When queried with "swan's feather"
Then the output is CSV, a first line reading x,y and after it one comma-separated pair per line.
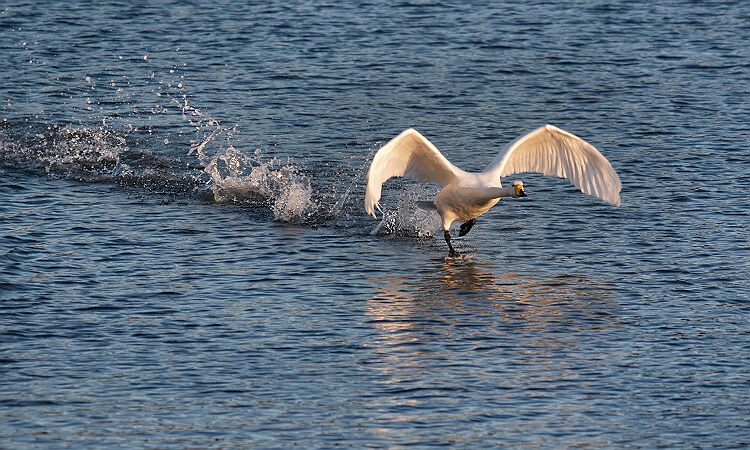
x,y
408,155
552,151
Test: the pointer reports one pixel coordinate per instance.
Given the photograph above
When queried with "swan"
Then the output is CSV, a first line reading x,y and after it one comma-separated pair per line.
x,y
465,195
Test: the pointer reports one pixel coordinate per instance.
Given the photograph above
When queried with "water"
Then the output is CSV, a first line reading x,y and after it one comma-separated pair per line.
x,y
185,260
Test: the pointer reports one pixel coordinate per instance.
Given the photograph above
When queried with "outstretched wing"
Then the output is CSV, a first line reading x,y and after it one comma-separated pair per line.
x,y
408,155
552,151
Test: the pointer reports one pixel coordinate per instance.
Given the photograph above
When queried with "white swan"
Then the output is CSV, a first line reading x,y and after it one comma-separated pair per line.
x,y
465,196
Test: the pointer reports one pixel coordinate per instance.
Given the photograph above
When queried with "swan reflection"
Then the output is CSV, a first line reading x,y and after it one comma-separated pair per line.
x,y
458,323
459,297
468,284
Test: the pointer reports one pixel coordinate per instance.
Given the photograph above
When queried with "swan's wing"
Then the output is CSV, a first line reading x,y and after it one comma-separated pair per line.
x,y
408,155
552,151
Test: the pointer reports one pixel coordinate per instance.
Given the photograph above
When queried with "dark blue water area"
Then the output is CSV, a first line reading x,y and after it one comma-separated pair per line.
x,y
185,260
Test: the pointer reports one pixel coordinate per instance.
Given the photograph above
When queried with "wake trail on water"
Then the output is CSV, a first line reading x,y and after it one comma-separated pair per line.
x,y
209,166
222,174
294,194
103,155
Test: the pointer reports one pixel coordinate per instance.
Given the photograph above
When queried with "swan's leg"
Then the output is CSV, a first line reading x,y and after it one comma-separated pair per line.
x,y
466,227
453,253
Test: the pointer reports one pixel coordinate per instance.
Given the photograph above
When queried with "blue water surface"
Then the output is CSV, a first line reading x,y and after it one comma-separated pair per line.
x,y
185,260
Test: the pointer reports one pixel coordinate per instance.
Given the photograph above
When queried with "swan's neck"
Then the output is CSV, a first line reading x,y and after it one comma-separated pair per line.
x,y
490,193
507,191
487,194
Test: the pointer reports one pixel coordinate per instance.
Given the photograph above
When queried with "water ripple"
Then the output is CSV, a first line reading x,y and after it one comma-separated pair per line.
x,y
184,259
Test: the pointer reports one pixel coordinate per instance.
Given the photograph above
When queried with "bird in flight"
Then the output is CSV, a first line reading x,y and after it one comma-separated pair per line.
x,y
465,195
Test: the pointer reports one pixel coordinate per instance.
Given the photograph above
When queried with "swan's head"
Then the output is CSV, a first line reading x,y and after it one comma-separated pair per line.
x,y
518,189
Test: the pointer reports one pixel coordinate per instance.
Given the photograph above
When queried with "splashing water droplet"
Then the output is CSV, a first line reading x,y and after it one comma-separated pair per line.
x,y
407,219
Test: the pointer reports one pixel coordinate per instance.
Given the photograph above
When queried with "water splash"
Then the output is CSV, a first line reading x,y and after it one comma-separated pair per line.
x,y
85,153
293,198
206,127
239,178
126,127
407,219
93,155
125,149
236,177
338,204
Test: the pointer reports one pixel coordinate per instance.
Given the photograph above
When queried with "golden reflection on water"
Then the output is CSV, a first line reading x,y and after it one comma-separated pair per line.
x,y
527,326
479,287
542,312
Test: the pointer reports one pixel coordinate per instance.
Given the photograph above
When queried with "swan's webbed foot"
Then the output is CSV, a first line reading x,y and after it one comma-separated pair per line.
x,y
466,227
453,253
